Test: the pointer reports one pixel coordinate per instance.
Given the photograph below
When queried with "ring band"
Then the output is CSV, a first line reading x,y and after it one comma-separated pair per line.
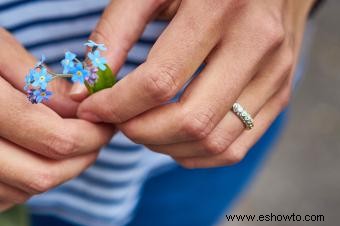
x,y
243,115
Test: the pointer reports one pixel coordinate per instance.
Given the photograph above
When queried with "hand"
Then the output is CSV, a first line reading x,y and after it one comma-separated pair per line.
x,y
250,49
24,174
39,149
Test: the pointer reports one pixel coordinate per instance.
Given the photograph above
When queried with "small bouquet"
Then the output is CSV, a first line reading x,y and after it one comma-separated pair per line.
x,y
93,72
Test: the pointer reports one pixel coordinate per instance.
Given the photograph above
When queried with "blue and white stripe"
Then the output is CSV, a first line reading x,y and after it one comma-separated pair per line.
x,y
106,193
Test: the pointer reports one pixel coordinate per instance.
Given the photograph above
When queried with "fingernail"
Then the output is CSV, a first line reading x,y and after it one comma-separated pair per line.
x,y
77,88
78,92
89,117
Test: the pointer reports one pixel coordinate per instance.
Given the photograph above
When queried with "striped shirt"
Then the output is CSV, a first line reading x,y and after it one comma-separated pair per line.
x,y
106,193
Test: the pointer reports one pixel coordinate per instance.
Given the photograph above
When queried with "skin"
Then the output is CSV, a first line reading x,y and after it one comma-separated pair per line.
x,y
40,146
250,49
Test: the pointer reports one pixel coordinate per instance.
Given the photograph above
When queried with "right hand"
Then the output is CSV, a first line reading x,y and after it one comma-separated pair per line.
x,y
40,146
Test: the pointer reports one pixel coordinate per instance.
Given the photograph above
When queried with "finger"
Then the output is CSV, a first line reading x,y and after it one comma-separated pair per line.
x,y
35,174
121,25
15,63
5,206
176,55
265,84
38,128
9,194
169,11
79,92
210,96
239,148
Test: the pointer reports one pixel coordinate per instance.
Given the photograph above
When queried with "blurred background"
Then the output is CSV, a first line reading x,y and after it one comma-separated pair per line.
x,y
302,175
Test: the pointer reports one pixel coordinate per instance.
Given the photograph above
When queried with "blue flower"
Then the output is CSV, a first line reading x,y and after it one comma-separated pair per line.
x,y
92,44
97,60
67,62
29,79
40,62
40,95
41,78
79,73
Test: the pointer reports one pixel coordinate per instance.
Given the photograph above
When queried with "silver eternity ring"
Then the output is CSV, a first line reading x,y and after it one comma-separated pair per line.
x,y
243,115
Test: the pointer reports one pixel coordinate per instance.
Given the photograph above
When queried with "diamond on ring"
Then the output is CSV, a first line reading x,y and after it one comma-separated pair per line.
x,y
243,115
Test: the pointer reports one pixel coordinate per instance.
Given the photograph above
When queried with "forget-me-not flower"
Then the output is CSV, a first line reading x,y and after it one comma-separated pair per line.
x,y
88,71
41,94
67,62
41,78
40,62
79,73
92,44
97,60
29,78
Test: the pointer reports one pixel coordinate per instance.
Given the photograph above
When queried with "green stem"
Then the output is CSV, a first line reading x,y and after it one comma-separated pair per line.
x,y
83,63
63,75
78,61
55,75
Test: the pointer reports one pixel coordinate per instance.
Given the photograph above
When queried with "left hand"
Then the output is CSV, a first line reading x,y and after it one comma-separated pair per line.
x,y
250,49
41,146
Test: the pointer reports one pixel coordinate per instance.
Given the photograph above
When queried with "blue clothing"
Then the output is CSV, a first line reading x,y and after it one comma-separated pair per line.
x,y
181,197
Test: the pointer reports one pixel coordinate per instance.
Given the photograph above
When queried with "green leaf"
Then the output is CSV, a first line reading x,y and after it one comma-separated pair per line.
x,y
16,216
106,79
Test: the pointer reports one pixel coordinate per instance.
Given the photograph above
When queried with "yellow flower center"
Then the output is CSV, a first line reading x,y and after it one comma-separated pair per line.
x,y
79,73
42,78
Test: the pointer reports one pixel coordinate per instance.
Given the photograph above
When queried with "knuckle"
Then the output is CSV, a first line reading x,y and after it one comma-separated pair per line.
x,y
198,125
234,155
217,144
288,61
284,98
61,145
274,32
42,181
161,83
187,163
